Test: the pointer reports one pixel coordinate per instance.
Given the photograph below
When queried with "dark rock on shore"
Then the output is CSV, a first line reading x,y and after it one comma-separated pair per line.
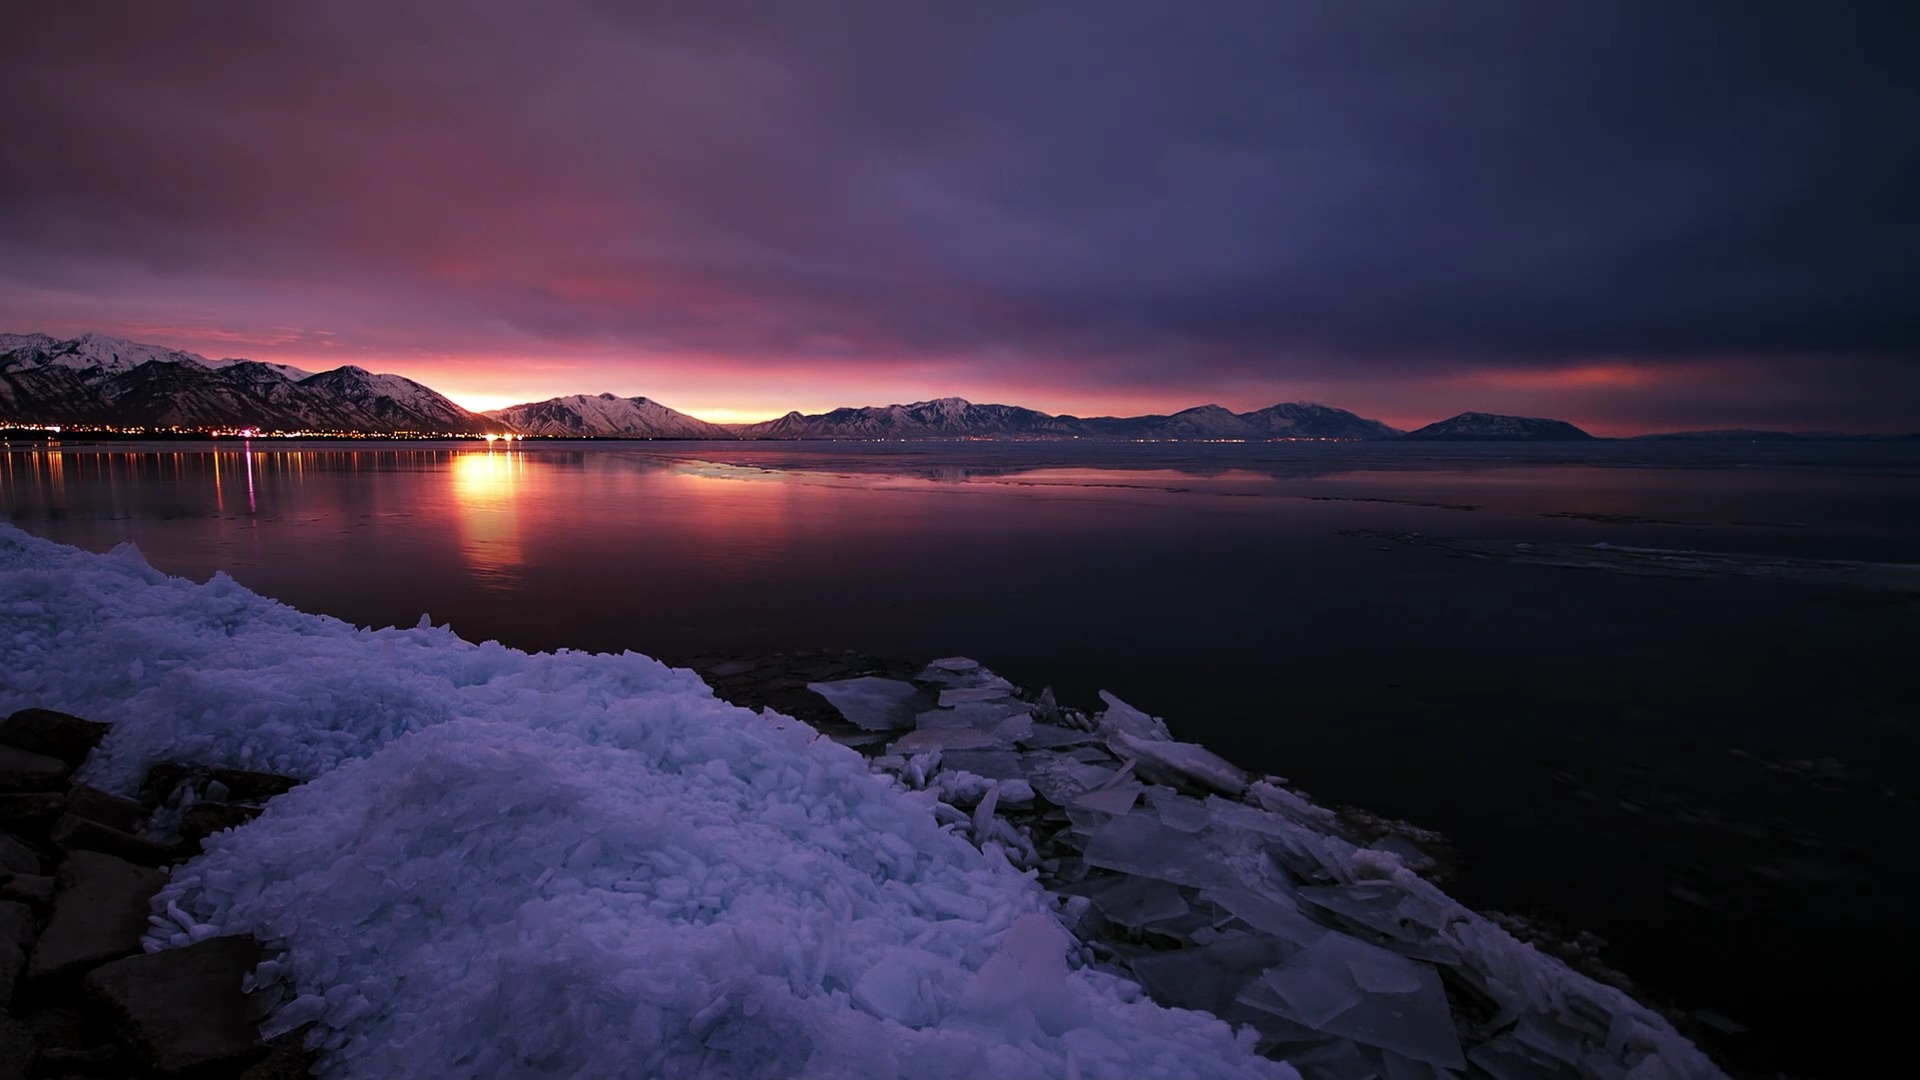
x,y
99,912
165,779
181,1011
55,734
202,820
16,1049
31,813
779,681
71,834
33,890
90,1003
113,811
24,770
17,858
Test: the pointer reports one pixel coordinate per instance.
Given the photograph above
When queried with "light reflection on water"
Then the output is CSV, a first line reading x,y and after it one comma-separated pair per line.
x,y
488,516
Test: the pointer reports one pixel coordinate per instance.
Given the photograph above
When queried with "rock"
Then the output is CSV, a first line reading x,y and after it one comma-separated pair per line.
x,y
17,924
13,961
17,858
242,785
101,1059
16,1049
72,834
202,820
60,1027
113,811
181,1011
287,1058
69,1044
30,813
24,770
246,786
163,778
33,890
99,912
55,734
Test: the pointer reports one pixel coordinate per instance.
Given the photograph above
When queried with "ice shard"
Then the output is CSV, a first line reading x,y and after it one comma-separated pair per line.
x,y
872,703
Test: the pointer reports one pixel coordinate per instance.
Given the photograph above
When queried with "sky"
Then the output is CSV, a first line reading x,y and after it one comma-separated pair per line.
x,y
1635,216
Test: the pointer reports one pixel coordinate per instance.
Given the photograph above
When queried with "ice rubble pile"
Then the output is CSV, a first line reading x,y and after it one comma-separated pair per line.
x,y
569,864
1219,892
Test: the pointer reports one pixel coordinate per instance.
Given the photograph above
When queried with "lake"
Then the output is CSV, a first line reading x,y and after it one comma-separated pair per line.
x,y
1696,742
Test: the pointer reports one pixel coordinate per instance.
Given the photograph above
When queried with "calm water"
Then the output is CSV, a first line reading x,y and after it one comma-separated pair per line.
x,y
1711,771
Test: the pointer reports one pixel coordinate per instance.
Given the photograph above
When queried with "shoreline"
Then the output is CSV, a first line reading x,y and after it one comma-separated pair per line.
x,y
1214,867
785,681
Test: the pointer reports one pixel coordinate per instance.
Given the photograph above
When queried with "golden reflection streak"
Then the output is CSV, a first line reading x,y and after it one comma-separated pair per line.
x,y
484,484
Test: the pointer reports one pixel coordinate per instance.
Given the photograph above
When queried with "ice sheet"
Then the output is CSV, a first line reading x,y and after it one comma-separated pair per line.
x,y
872,703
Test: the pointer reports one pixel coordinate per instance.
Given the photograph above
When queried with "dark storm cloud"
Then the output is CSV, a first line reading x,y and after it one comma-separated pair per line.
x,y
1128,191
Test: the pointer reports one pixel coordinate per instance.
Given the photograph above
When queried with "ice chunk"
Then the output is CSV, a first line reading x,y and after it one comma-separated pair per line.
x,y
924,739
1177,811
1060,778
965,695
1384,907
1362,992
1117,799
872,703
908,986
1409,853
1269,914
1136,901
1188,763
1016,794
1051,737
960,788
1306,995
1210,976
1504,1058
1027,977
1137,844
977,714
1331,1059
992,764
1014,728
1124,717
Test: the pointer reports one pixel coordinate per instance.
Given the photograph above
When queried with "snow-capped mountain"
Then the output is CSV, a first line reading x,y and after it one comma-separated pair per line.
x,y
1491,427
606,416
95,379
114,356
959,418
948,417
1199,422
1305,420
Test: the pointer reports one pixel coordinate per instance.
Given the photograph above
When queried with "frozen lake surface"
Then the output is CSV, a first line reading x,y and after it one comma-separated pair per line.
x,y
1695,741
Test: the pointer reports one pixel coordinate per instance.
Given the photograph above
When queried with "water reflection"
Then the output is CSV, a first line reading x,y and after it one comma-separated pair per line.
x,y
484,489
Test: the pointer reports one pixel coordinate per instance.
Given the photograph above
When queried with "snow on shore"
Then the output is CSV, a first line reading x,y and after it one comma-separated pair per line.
x,y
565,864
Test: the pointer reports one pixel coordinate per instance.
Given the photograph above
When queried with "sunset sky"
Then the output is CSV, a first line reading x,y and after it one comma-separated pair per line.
x,y
1635,216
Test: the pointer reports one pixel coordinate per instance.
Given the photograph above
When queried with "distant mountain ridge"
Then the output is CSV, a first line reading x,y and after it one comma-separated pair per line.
x,y
1494,427
95,379
606,416
954,417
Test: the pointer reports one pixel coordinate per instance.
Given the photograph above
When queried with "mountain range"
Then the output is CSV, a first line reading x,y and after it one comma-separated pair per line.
x,y
1492,427
99,380
95,379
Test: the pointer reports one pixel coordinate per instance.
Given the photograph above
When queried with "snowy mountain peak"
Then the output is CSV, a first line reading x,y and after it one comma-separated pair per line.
x,y
99,379
606,416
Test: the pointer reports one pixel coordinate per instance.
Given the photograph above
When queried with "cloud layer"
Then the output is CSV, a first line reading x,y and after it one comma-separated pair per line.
x,y
1632,214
